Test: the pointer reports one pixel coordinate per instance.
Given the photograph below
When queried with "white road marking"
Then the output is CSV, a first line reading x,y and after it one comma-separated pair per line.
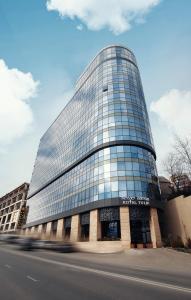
x,y
105,273
8,266
116,275
31,278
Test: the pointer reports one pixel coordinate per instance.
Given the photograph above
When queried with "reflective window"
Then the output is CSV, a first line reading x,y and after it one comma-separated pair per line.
x,y
92,118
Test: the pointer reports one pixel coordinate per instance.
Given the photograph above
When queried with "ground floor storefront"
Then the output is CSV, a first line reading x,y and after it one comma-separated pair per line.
x,y
127,227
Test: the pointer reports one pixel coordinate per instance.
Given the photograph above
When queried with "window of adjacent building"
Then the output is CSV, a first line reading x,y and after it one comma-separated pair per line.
x,y
14,200
18,205
11,208
20,196
8,218
12,225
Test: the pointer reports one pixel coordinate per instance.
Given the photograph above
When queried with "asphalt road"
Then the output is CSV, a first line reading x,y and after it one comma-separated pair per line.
x,y
53,276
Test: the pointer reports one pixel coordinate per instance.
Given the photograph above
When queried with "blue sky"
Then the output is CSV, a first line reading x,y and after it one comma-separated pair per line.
x,y
36,40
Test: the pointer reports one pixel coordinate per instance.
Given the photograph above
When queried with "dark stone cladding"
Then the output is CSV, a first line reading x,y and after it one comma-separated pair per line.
x,y
88,207
93,151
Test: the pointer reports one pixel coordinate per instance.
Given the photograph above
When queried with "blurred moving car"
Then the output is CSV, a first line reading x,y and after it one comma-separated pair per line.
x,y
31,243
35,244
58,246
3,237
27,244
9,238
13,239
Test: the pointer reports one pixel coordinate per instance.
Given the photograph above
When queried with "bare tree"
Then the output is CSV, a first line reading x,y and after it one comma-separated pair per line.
x,y
178,165
174,167
183,150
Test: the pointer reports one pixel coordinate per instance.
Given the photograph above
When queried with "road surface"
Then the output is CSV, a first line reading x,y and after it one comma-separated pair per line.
x,y
54,276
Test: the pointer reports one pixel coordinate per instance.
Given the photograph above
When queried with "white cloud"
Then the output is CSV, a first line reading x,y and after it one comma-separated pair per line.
x,y
16,88
173,109
117,15
173,117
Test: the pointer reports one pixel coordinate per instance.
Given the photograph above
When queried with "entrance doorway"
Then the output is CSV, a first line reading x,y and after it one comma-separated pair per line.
x,y
140,226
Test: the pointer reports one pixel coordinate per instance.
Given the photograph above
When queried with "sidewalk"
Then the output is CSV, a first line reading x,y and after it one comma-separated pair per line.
x,y
162,259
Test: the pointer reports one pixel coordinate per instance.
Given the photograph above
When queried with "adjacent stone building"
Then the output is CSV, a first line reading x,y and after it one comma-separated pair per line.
x,y
13,209
178,221
95,179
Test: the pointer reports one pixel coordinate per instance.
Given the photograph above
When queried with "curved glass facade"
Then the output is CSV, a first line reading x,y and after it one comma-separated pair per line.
x,y
100,147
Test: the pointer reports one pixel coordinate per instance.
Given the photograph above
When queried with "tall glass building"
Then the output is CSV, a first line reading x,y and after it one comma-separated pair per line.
x,y
95,176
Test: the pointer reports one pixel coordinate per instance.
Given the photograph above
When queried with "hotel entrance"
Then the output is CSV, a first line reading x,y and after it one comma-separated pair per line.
x,y
140,226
